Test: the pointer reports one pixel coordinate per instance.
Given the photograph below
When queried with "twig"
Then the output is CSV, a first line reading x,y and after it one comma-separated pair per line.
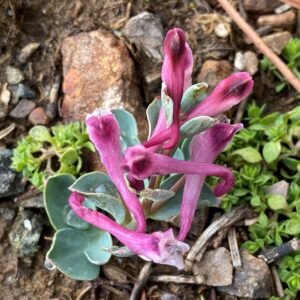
x,y
259,43
141,280
294,3
199,279
226,220
271,254
240,112
83,292
234,248
242,10
7,130
277,282
219,237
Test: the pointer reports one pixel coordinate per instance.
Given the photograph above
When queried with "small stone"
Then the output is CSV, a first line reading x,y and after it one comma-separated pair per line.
x,y
261,6
277,41
33,202
285,20
222,31
27,51
215,267
146,32
25,92
6,216
239,61
22,109
213,71
251,62
4,100
13,75
38,117
51,110
168,296
253,280
25,238
10,181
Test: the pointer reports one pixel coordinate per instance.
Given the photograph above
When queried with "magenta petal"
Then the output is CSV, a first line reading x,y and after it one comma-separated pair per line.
x,y
229,92
160,247
204,148
104,132
142,163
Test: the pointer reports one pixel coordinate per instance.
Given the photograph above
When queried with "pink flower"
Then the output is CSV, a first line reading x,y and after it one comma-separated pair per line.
x,y
160,247
104,132
204,148
229,92
176,75
143,163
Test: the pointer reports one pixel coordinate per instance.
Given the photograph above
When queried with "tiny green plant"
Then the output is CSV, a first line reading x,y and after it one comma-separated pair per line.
x,y
265,157
158,179
291,55
46,152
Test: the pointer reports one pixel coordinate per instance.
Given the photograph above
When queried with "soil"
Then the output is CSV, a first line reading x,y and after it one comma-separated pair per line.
x,y
49,22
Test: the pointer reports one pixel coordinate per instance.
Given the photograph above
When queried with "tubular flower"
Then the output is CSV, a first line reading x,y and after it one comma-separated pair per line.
x,y
104,132
176,75
229,92
204,148
160,247
142,163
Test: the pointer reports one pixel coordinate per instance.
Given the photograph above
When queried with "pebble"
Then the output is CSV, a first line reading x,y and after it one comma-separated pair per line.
x,y
254,280
38,117
24,237
239,61
277,41
5,95
22,109
251,62
51,110
13,75
33,202
282,8
25,92
10,181
27,51
222,30
285,20
213,71
215,267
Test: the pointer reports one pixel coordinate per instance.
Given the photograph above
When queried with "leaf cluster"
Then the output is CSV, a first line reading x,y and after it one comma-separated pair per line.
x,y
267,152
291,55
45,152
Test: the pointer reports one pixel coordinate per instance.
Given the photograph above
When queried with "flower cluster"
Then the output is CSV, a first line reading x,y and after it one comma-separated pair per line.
x,y
150,159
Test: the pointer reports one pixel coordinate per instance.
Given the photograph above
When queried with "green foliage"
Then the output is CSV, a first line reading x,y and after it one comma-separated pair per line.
x,y
265,152
46,152
78,248
291,55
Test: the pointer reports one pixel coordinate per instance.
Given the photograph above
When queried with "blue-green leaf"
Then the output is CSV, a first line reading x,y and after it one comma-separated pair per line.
x,y
196,125
152,113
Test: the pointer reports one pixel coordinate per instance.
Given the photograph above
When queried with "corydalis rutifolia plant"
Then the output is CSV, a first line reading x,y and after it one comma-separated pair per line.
x,y
158,179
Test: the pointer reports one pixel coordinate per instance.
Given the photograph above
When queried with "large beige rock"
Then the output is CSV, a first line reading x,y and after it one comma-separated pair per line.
x,y
261,6
98,72
277,41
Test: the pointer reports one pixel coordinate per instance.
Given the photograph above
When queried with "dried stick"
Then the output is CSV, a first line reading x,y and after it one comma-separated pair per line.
x,y
225,220
277,282
234,248
259,43
271,254
294,3
141,280
199,279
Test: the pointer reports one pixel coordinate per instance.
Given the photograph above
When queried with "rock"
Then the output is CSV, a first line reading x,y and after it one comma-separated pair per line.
x,y
22,109
247,61
38,117
285,20
25,92
146,32
168,296
51,110
251,62
13,75
253,280
10,181
277,41
27,51
213,71
282,8
261,6
98,72
145,35
6,217
25,233
215,267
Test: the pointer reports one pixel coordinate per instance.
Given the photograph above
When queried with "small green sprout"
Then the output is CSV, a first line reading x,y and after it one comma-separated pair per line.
x,y
46,152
